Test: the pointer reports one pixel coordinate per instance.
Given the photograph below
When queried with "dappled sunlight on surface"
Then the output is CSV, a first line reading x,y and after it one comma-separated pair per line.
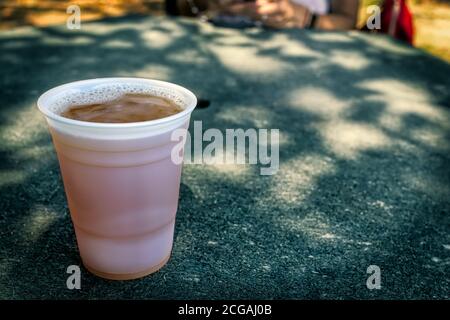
x,y
315,226
246,60
188,56
431,137
38,222
362,159
236,40
289,48
229,170
391,122
118,44
81,40
154,71
349,60
170,26
284,140
318,101
431,186
391,88
157,39
385,43
348,139
56,41
12,177
22,31
101,29
254,115
402,99
343,137
381,205
37,151
222,33
330,37
297,178
25,127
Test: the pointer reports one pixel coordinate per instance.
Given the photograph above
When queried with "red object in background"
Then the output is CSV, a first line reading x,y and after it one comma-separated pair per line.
x,y
396,20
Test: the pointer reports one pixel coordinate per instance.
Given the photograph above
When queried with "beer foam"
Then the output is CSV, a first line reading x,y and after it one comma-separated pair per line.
x,y
105,92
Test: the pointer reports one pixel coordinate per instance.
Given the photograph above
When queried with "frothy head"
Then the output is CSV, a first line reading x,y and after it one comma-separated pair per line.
x,y
105,92
55,101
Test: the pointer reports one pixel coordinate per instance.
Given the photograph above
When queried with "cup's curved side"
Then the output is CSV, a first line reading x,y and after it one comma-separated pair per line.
x,y
122,190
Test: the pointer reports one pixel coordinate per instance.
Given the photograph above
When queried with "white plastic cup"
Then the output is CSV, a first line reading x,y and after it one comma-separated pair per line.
x,y
121,184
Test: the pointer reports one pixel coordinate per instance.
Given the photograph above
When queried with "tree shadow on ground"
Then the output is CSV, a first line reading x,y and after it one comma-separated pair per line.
x,y
363,162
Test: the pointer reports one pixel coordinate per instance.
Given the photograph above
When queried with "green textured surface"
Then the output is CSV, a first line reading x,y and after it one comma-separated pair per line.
x,y
364,163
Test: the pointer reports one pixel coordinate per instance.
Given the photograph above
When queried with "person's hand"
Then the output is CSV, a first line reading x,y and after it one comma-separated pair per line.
x,y
273,13
276,14
241,8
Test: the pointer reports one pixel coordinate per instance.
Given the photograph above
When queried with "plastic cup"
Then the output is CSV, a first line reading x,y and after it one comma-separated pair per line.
x,y
121,184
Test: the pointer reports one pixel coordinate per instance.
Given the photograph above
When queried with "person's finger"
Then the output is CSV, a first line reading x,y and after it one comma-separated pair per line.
x,y
264,2
247,9
276,17
276,21
269,8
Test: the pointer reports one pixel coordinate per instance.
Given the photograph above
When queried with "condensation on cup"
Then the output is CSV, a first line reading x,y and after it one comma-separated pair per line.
x,y
121,185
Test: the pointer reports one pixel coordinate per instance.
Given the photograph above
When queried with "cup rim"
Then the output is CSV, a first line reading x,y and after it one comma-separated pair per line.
x,y
47,94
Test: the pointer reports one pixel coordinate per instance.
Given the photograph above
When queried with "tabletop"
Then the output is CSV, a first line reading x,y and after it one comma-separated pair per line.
x,y
363,179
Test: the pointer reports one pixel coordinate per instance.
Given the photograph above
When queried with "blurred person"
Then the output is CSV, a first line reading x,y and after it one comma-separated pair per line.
x,y
320,14
397,20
